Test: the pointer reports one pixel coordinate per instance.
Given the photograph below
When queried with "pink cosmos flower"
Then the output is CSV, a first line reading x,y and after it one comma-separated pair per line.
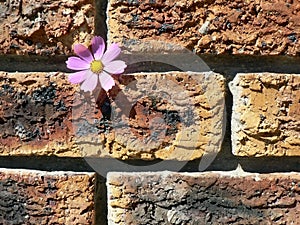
x,y
95,65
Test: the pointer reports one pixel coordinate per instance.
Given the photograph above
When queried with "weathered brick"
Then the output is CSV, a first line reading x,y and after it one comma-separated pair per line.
x,y
44,27
37,197
174,115
233,197
145,116
35,114
266,114
238,27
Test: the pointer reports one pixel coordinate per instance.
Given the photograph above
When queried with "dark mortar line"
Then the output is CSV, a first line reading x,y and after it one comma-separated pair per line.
x,y
227,65
100,18
100,198
45,163
223,162
12,63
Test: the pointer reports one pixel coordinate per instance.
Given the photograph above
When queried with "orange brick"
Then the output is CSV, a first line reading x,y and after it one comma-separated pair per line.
x,y
36,197
44,27
238,27
35,114
175,115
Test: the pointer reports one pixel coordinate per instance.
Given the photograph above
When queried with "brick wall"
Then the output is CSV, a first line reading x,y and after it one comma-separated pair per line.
x,y
202,128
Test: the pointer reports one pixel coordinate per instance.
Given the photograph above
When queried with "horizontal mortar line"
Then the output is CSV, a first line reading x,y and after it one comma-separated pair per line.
x,y
225,64
221,163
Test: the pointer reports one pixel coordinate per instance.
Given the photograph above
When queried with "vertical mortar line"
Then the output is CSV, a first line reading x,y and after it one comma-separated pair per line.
x,y
225,154
100,183
100,18
100,200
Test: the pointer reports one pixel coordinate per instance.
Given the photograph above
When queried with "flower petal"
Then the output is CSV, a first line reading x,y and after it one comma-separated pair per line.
x,y
75,63
83,52
115,67
106,81
90,83
112,52
98,47
78,77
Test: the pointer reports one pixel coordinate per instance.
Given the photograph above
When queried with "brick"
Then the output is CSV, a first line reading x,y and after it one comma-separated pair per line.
x,y
174,115
233,197
265,118
238,27
145,116
44,27
37,197
35,114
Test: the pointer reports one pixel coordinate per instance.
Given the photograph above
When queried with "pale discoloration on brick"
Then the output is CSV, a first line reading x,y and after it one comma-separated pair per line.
x,y
238,27
44,27
35,197
203,198
265,120
161,116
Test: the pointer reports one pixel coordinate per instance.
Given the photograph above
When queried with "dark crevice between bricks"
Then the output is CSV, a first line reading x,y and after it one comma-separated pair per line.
x,y
101,201
100,18
226,163
13,63
227,65
45,163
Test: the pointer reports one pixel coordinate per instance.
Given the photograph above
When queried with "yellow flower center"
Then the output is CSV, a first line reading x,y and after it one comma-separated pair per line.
x,y
96,66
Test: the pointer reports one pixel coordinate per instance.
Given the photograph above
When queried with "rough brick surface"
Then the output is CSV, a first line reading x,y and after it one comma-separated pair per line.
x,y
266,114
174,115
239,27
150,116
203,198
35,114
44,27
35,197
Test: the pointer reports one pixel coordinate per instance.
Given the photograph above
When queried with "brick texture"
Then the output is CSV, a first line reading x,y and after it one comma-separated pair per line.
x,y
44,27
266,114
203,198
238,27
145,116
174,115
35,114
36,197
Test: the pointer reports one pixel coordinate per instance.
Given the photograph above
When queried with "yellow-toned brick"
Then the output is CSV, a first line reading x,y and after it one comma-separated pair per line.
x,y
265,118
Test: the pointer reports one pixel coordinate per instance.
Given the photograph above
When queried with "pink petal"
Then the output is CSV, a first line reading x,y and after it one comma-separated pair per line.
x,y
98,47
112,52
83,52
106,81
115,67
90,83
75,63
78,77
